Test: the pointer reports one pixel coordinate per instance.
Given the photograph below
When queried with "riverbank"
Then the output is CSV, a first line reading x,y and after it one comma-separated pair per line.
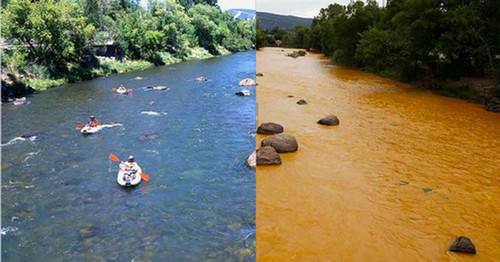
x,y
480,90
404,173
18,85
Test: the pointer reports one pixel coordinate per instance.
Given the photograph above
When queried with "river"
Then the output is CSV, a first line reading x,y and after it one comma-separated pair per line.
x,y
60,199
404,173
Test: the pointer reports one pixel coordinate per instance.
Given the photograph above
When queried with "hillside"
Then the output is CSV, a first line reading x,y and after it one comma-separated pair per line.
x,y
243,14
269,21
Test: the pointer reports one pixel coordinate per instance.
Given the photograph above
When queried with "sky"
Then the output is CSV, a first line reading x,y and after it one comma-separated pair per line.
x,y
230,4
302,8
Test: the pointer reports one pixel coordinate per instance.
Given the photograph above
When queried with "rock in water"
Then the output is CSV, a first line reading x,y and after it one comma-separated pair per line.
x,y
267,155
330,120
148,136
259,74
251,160
247,82
20,101
302,102
270,128
463,244
243,93
201,79
88,232
283,143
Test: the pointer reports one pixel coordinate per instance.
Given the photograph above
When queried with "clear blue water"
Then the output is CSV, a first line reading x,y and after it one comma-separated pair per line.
x,y
60,200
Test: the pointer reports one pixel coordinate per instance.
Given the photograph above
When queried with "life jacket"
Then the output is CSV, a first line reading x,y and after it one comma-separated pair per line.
x,y
93,123
129,166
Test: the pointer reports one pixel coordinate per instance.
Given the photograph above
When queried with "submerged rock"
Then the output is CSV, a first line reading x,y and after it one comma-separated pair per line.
x,y
427,189
283,143
330,120
270,128
88,232
247,82
302,102
252,160
259,74
267,155
243,93
462,244
148,136
403,183
290,96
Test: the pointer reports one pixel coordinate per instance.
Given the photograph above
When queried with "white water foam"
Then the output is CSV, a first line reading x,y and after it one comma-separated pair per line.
x,y
19,139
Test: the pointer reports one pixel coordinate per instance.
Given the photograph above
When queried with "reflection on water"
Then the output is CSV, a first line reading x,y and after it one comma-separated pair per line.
x,y
59,194
404,173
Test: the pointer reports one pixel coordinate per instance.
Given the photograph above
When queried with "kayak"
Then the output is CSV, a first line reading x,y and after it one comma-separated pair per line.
x,y
126,179
88,130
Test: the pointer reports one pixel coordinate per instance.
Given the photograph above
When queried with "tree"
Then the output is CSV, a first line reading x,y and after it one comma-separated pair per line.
x,y
52,33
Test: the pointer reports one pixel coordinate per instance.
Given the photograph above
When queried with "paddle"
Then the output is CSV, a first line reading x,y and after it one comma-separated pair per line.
x,y
114,158
145,176
80,126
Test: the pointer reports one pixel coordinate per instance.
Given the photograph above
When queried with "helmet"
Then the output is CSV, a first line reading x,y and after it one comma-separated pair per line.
x,y
131,159
92,117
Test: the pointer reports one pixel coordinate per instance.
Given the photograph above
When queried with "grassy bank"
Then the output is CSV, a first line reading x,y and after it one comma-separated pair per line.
x,y
38,79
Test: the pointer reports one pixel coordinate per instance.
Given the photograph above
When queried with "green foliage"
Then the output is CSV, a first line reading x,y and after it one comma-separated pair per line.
x,y
407,40
44,83
261,39
54,39
50,33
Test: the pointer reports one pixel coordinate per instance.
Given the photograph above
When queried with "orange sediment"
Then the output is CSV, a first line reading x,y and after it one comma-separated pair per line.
x,y
404,173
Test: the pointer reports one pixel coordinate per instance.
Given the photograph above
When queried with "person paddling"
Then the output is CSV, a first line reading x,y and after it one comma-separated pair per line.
x,y
92,122
130,166
121,89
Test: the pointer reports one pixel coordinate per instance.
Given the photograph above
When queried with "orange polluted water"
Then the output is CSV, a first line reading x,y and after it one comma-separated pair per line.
x,y
404,173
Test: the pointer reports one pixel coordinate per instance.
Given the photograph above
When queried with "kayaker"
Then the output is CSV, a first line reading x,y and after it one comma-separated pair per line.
x,y
93,122
121,89
130,166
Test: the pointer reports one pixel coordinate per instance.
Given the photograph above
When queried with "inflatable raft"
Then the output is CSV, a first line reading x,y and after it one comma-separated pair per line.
x,y
88,130
129,178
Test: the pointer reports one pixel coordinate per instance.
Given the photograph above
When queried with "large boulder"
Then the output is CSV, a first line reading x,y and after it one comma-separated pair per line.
x,y
330,120
462,244
247,82
269,128
283,143
267,155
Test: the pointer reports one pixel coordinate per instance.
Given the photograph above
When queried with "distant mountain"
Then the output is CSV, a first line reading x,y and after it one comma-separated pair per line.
x,y
243,14
269,21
